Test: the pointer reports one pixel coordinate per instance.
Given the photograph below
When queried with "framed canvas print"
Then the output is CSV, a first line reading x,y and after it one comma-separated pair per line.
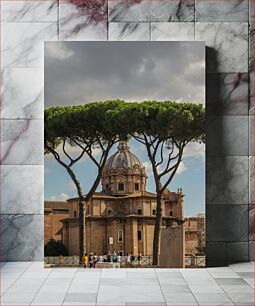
x,y
124,154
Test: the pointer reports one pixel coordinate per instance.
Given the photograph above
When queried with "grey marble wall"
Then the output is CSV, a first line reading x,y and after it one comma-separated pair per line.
x,y
227,29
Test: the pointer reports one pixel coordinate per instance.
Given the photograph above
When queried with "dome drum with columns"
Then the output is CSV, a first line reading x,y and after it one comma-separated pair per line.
x,y
123,173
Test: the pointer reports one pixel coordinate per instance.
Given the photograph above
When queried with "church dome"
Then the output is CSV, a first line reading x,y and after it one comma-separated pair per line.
x,y
123,159
123,173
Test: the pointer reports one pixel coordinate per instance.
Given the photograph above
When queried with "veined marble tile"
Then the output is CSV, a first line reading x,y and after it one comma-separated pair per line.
x,y
80,21
21,142
216,253
22,237
22,189
227,223
227,135
251,257
22,93
238,252
251,222
251,68
251,10
227,180
251,93
22,43
129,31
234,10
251,180
151,10
227,94
23,10
227,44
181,31
251,135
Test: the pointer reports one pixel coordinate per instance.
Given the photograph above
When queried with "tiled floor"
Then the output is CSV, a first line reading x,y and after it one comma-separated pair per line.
x,y
27,283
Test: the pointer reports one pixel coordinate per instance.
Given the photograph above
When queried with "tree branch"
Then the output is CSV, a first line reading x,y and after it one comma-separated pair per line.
x,y
174,168
88,150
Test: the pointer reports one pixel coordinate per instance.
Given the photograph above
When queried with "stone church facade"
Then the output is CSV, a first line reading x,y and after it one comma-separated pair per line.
x,y
121,217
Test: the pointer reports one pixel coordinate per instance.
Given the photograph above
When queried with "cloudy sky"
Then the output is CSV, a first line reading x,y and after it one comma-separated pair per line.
x,y
82,72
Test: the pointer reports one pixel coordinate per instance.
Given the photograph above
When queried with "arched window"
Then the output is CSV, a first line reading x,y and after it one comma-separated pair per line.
x,y
139,211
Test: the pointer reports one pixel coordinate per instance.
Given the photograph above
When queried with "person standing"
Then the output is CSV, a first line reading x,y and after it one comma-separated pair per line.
x,y
95,259
132,260
127,260
101,258
139,259
90,260
114,257
109,257
85,260
119,259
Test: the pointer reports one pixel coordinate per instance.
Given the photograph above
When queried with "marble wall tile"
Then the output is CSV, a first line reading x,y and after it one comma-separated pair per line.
x,y
129,31
251,250
22,93
216,253
237,251
227,94
151,10
220,141
251,68
76,22
21,237
251,10
251,93
23,10
251,180
21,142
22,43
251,135
22,187
227,180
181,31
227,45
251,222
227,223
234,10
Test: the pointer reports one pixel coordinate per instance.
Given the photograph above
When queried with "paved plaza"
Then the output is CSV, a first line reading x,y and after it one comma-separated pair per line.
x,y
29,283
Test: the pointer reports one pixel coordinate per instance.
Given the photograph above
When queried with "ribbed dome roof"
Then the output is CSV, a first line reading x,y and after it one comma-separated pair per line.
x,y
123,159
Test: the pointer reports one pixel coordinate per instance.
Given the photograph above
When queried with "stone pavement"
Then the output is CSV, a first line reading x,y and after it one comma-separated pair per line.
x,y
29,283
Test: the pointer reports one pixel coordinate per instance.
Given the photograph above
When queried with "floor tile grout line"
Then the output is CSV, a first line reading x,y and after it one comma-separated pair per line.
x,y
160,286
224,290
98,286
15,280
189,287
69,285
40,286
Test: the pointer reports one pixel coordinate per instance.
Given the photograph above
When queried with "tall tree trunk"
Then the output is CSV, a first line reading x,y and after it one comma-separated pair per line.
x,y
81,231
157,229
81,214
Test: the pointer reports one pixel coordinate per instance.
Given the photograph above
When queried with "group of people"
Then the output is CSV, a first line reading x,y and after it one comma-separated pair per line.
x,y
90,260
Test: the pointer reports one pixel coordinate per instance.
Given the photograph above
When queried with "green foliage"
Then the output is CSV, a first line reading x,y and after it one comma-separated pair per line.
x,y
108,119
163,120
55,248
91,122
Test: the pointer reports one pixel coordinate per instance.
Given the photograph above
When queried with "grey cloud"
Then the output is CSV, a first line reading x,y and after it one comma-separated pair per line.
x,y
95,71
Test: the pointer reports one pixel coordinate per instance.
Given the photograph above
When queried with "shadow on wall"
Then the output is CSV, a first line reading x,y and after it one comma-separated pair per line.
x,y
226,135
